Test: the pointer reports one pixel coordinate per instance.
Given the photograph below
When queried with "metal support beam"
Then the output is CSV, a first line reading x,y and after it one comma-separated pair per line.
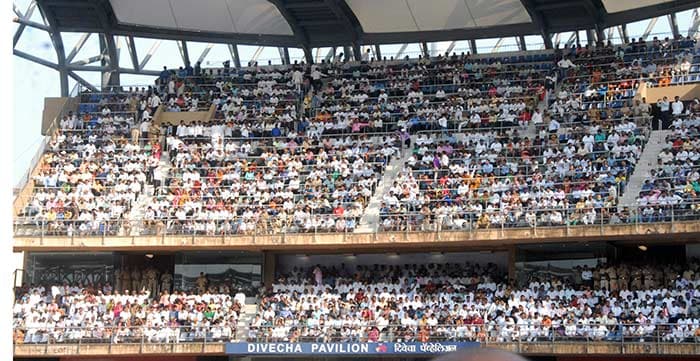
x,y
538,21
233,49
57,42
89,60
590,36
110,78
16,10
472,46
149,54
521,42
182,45
600,34
77,47
557,39
330,55
298,31
622,30
424,49
401,50
286,55
571,39
82,81
377,52
280,50
34,59
26,17
609,33
31,24
132,52
694,24
257,53
343,12
497,46
674,25
649,28
450,47
205,52
346,53
356,51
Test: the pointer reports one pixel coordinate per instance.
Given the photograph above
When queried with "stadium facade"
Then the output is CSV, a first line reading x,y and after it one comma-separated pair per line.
x,y
339,193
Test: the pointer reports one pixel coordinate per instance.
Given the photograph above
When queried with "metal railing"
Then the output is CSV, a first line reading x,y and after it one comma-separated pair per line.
x,y
319,221
364,331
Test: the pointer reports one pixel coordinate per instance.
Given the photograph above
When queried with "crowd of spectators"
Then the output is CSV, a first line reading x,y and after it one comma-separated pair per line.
x,y
379,303
301,148
423,303
671,190
64,313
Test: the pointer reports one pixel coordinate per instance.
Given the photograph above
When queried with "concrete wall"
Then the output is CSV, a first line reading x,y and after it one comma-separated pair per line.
x,y
174,118
52,111
686,92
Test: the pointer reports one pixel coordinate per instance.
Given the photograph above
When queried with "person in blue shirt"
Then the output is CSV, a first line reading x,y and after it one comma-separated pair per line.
x,y
486,167
276,132
164,75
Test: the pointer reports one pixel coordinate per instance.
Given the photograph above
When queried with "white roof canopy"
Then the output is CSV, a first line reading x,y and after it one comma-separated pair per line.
x,y
222,16
377,16
614,6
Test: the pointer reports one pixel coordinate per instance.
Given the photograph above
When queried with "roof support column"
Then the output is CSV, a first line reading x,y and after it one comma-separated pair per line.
x,y
377,52
57,41
623,33
472,46
307,55
674,25
521,43
693,29
591,36
424,49
233,49
110,77
356,51
284,54
330,55
184,53
538,21
600,34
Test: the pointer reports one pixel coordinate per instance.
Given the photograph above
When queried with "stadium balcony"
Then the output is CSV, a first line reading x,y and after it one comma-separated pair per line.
x,y
231,180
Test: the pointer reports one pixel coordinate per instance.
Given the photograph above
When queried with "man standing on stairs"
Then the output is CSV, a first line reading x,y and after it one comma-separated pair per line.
x,y
665,113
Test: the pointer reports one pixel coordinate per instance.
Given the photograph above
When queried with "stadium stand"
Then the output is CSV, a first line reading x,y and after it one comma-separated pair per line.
x,y
372,202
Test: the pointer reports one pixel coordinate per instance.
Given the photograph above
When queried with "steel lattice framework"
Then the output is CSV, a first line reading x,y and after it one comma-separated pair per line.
x,y
314,24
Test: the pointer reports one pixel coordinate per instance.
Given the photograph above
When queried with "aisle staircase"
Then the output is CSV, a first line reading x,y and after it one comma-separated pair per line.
x,y
370,218
138,210
247,316
646,163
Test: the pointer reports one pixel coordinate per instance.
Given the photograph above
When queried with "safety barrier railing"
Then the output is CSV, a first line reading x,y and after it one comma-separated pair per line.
x,y
259,220
530,331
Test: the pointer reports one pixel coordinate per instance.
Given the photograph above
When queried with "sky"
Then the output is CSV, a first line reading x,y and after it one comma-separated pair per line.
x,y
33,82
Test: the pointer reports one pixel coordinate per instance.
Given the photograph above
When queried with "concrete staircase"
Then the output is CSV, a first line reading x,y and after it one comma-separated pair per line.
x,y
370,219
248,312
646,163
139,208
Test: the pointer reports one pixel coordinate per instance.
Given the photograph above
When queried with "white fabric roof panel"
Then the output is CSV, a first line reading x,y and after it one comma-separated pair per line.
x,y
223,16
379,16
614,6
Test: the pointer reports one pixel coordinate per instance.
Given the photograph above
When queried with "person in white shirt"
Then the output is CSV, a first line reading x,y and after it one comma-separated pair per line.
x,y
677,107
